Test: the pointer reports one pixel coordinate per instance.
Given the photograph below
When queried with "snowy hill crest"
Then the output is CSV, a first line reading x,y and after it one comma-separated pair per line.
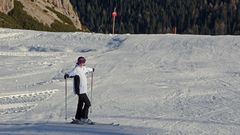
x,y
149,84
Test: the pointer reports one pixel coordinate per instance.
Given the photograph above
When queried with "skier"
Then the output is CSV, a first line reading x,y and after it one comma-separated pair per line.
x,y
80,88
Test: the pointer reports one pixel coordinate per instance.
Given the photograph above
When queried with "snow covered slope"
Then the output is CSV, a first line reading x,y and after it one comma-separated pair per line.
x,y
150,84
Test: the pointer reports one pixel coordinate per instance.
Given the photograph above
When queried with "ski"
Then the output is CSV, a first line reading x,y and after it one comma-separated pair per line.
x,y
111,124
93,123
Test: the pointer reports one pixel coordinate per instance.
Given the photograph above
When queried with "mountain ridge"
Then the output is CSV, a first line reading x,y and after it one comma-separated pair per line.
x,y
52,14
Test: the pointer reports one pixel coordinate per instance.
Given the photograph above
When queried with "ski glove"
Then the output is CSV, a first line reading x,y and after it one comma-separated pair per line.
x,y
66,76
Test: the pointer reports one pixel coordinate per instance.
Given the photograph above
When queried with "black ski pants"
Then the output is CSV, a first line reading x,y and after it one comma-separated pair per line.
x,y
83,101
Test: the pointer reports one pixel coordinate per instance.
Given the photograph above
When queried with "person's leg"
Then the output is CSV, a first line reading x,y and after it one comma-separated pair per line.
x,y
76,81
79,112
87,104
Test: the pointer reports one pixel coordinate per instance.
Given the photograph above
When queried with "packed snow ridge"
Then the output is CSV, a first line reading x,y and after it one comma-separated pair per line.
x,y
149,84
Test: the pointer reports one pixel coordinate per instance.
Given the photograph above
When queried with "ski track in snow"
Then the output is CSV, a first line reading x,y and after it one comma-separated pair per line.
x,y
23,102
30,54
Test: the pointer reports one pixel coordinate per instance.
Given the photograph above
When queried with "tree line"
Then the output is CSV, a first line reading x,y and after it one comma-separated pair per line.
x,y
212,17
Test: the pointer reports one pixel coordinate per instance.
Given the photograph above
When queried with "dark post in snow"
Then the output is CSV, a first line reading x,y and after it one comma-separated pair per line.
x,y
114,14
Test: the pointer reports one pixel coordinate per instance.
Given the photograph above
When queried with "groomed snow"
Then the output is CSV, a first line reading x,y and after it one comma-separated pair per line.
x,y
149,84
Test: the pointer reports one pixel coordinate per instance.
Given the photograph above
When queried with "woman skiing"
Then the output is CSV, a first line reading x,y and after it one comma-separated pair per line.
x,y
80,88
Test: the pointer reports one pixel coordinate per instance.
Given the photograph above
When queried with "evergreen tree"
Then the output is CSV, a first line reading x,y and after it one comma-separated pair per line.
x,y
161,16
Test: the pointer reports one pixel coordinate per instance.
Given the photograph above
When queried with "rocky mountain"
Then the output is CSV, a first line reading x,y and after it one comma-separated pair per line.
x,y
6,6
49,13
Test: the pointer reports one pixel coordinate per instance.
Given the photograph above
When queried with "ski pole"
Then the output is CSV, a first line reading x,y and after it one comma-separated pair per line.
x,y
66,99
91,91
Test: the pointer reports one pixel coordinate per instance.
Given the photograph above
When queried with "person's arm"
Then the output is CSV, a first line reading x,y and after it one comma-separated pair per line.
x,y
89,70
70,74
